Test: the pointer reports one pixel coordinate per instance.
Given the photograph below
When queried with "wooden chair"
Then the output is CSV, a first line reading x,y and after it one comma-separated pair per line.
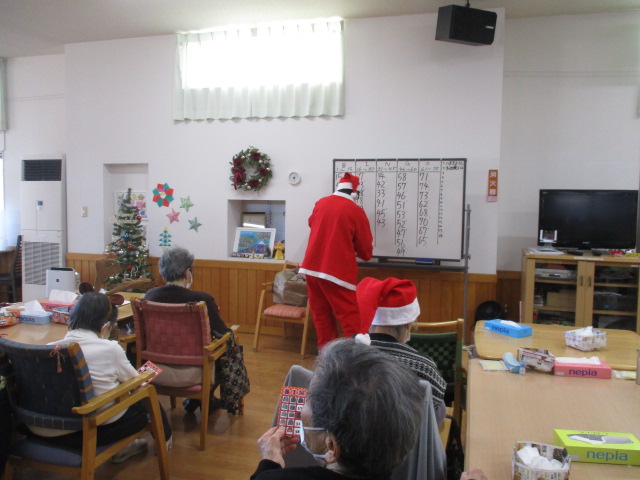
x,y
51,386
179,334
443,341
13,280
282,313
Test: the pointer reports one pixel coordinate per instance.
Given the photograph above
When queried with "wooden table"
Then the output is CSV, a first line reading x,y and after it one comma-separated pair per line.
x,y
503,408
621,352
43,334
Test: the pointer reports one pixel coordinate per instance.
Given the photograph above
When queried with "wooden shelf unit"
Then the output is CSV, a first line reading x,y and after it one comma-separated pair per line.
x,y
602,291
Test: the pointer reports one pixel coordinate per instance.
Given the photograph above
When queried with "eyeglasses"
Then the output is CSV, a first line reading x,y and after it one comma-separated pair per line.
x,y
319,457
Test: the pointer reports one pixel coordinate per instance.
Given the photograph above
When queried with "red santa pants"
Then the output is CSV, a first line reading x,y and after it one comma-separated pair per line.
x,y
328,302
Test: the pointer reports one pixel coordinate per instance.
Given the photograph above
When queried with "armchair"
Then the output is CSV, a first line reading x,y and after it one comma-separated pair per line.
x,y
179,334
50,386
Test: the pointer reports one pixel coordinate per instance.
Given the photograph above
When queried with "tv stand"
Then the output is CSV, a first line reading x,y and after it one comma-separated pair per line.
x,y
579,291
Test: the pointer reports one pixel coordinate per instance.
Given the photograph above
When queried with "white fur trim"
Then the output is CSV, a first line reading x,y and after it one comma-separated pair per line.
x,y
364,339
348,185
386,316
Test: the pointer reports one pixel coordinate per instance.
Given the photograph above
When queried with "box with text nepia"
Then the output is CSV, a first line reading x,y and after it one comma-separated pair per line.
x,y
584,370
599,447
507,327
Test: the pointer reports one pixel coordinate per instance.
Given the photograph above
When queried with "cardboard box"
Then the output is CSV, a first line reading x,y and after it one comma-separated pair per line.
x,y
35,318
582,370
599,447
563,298
519,471
509,329
536,358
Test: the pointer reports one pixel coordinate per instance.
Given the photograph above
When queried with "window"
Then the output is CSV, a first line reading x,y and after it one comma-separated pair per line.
x,y
266,71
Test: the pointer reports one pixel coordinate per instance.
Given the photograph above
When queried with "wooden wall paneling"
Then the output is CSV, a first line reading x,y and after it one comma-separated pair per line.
x,y
508,292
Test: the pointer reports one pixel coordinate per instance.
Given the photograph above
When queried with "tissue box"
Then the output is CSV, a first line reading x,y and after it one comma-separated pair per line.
x,y
536,358
582,370
599,447
36,318
7,320
49,306
520,471
60,315
584,341
512,330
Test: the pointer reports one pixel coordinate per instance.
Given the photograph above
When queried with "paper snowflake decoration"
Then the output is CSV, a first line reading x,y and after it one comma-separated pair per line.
x,y
186,203
194,225
163,195
173,216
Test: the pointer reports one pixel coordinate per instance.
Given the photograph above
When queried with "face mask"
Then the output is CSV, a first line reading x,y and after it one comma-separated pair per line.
x,y
190,282
318,457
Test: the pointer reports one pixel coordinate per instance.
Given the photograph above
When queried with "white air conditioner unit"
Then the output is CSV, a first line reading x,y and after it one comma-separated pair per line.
x,y
43,222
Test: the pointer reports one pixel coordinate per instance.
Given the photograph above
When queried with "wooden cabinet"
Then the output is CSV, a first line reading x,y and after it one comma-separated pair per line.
x,y
579,291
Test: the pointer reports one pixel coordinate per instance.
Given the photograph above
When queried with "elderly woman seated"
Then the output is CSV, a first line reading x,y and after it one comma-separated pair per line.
x,y
176,269
361,419
391,308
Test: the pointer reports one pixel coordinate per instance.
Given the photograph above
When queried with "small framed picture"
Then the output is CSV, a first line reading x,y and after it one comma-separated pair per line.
x,y
254,219
254,242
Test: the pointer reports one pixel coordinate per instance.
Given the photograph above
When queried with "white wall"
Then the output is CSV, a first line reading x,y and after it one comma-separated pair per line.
x,y
570,118
407,96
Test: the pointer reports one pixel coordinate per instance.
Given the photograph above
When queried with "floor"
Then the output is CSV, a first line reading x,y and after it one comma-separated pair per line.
x,y
232,452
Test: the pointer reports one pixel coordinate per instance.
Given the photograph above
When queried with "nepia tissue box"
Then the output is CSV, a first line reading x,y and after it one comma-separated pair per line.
x,y
507,327
579,369
599,447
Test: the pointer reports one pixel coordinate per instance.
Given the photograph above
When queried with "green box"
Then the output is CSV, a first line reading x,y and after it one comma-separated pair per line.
x,y
599,447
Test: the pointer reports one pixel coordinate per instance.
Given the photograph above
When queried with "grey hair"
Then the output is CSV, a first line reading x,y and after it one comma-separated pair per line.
x,y
174,263
371,403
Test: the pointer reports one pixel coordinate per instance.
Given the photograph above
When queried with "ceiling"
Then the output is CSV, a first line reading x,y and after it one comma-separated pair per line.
x,y
43,27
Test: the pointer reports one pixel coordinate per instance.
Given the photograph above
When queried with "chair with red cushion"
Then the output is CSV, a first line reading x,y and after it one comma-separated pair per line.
x,y
179,334
281,313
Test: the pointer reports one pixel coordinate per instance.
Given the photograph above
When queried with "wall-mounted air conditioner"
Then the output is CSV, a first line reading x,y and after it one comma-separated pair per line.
x,y
42,222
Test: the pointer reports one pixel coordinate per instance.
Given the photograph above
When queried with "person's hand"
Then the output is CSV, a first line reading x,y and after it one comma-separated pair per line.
x,y
473,474
274,445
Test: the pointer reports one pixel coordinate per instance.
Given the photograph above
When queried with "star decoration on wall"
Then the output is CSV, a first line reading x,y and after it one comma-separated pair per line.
x,y
163,195
194,225
173,216
186,203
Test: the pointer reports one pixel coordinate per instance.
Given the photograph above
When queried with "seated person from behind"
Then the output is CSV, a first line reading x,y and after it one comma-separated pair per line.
x,y
391,308
176,269
352,432
90,324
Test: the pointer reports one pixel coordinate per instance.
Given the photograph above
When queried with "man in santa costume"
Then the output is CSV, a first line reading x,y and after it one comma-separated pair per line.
x,y
340,232
388,309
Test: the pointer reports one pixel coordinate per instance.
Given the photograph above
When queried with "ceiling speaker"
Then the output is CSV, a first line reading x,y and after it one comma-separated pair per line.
x,y
466,25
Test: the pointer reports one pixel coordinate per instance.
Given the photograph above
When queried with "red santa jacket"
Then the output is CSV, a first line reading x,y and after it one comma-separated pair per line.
x,y
340,231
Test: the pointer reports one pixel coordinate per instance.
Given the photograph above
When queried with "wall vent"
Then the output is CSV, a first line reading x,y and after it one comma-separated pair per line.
x,y
42,170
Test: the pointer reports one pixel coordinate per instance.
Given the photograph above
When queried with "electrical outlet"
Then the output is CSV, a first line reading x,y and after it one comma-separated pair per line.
x,y
84,212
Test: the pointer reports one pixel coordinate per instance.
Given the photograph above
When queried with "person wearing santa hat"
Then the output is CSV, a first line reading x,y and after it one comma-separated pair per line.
x,y
389,309
340,232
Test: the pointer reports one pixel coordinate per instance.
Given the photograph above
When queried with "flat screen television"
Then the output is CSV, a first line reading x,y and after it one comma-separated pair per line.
x,y
588,219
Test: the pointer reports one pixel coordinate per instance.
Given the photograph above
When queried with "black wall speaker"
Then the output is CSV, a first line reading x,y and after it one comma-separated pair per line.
x,y
466,25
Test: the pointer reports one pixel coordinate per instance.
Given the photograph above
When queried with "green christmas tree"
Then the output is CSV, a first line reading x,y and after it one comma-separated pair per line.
x,y
128,245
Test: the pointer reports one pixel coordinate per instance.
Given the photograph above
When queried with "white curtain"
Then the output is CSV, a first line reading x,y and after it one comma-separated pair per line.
x,y
286,70
3,97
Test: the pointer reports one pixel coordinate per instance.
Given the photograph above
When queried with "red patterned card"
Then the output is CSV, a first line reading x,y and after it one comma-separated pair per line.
x,y
292,400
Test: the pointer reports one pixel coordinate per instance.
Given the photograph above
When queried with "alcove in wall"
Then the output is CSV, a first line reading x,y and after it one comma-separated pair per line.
x,y
272,211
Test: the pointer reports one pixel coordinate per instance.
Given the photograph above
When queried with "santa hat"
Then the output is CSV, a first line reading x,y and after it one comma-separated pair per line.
x,y
387,302
349,181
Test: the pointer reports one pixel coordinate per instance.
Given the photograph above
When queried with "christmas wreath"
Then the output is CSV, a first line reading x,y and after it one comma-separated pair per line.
x,y
250,170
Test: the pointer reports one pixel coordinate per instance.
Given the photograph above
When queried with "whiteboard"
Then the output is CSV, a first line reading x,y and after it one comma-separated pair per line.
x,y
415,206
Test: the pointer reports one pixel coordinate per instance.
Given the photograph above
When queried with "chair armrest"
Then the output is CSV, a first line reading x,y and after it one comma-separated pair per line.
x,y
115,394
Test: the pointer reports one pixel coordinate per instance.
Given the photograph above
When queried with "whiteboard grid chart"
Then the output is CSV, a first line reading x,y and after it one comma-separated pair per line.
x,y
415,206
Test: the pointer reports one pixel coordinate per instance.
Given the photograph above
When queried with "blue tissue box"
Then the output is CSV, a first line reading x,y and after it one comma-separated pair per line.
x,y
517,330
36,318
